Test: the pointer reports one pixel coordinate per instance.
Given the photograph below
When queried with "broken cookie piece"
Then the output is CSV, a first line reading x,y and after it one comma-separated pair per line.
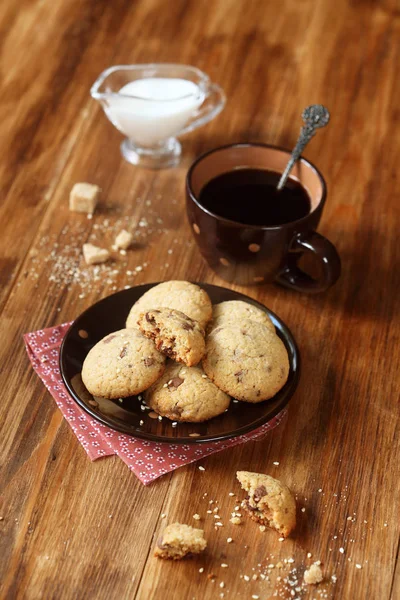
x,y
179,540
94,255
269,502
313,575
123,239
175,334
83,197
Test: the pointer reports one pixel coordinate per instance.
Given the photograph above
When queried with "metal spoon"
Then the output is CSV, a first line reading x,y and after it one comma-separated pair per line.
x,y
314,116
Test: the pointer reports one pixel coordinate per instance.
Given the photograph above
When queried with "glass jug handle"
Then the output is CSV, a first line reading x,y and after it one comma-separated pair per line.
x,y
213,103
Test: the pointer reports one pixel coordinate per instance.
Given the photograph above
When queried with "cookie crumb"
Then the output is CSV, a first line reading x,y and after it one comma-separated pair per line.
x,y
163,515
229,540
246,577
309,555
179,540
201,468
222,584
235,520
262,528
313,575
224,565
358,566
201,570
141,422
276,463
303,509
341,550
196,517
281,539
231,494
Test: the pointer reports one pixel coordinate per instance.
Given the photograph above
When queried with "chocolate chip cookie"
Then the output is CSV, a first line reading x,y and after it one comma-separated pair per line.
x,y
248,361
122,364
235,311
186,394
187,297
174,334
179,540
269,501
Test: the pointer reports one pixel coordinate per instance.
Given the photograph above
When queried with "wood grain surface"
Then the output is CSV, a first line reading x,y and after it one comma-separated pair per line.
x,y
75,529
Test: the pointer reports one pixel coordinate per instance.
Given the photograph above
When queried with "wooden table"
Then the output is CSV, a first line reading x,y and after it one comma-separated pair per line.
x,y
339,450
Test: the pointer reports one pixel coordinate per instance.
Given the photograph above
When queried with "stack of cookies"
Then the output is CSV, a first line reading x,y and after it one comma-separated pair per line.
x,y
189,357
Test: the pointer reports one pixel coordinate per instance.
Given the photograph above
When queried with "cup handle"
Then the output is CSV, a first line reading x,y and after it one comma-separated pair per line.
x,y
293,277
213,103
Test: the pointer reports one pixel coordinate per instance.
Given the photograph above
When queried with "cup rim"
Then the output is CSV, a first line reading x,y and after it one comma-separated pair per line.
x,y
309,164
96,94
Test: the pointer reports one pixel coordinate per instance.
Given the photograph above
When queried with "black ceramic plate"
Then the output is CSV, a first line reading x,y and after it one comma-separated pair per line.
x,y
109,315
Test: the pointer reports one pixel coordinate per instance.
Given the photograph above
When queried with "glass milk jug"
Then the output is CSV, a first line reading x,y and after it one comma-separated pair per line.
x,y
153,104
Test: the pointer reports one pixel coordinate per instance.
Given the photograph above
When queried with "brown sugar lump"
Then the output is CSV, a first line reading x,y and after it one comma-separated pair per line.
x,y
186,394
313,575
83,197
187,297
179,540
174,334
269,501
123,239
94,255
246,360
122,364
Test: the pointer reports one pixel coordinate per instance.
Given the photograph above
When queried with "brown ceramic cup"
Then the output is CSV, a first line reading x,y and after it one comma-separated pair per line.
x,y
250,254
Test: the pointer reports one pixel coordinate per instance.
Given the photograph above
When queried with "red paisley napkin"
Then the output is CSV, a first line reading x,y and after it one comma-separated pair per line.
x,y
148,460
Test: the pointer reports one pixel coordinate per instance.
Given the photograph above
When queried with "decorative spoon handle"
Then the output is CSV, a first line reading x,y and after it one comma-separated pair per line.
x,y
314,116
